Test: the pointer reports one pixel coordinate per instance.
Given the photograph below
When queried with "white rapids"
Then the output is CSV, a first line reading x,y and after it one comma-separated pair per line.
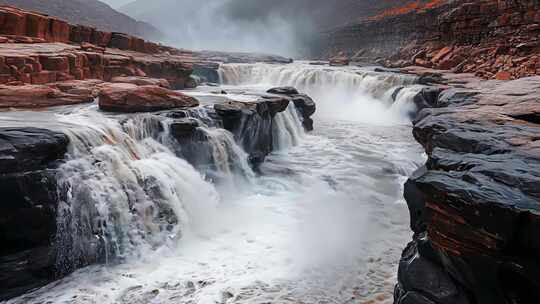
x,y
324,222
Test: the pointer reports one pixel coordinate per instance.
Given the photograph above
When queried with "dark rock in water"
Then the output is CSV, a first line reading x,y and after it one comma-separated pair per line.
x,y
208,72
396,93
426,279
251,124
276,104
283,91
23,149
427,98
305,106
475,207
28,207
183,128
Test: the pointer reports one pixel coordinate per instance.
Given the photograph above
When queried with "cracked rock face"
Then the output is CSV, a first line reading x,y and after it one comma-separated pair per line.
x,y
475,206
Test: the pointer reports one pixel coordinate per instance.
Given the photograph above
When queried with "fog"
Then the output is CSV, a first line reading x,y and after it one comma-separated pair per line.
x,y
278,27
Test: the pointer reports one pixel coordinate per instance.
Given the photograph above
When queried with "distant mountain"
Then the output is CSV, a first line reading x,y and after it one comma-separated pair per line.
x,y
90,12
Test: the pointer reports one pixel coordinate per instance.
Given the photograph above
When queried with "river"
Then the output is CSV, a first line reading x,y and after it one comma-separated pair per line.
x,y
323,219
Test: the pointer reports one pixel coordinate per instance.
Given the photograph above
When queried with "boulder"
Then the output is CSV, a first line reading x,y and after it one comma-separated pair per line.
x,y
251,124
283,91
305,106
141,81
125,97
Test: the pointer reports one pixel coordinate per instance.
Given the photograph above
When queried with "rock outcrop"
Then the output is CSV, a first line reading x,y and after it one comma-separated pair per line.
x,y
28,157
494,39
92,13
128,98
475,205
36,96
251,123
303,103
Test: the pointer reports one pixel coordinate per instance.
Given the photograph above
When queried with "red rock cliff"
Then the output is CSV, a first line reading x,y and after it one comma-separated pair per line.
x,y
493,38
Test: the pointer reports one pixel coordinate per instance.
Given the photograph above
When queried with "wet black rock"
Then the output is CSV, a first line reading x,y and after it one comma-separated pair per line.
x,y
251,124
305,106
28,158
475,206
183,128
284,91
24,149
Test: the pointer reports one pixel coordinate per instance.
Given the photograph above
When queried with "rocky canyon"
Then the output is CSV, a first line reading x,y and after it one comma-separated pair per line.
x,y
235,151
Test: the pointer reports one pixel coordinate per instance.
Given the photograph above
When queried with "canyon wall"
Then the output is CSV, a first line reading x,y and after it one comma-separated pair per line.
x,y
90,13
475,205
492,38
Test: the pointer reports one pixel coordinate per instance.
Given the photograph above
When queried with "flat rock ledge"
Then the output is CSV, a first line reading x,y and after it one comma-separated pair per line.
x,y
127,97
475,205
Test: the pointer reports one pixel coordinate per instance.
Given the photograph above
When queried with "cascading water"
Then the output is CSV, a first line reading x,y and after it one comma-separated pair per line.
x,y
122,190
287,129
353,94
324,222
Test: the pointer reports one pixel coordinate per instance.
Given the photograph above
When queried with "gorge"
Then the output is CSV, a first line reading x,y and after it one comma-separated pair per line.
x,y
134,172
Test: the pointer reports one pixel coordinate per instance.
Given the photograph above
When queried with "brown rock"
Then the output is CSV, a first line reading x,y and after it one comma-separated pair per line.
x,y
124,97
142,81
339,61
442,53
43,77
55,63
35,96
503,75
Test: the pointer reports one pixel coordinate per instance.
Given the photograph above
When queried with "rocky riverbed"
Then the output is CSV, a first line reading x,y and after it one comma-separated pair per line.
x,y
115,151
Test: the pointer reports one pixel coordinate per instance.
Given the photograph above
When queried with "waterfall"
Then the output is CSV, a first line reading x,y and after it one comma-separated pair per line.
x,y
123,188
342,93
287,129
307,77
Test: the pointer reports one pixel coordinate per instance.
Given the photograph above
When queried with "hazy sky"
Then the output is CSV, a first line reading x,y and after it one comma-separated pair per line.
x,y
117,3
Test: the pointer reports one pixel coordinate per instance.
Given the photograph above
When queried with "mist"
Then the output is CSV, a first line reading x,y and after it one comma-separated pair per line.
x,y
278,27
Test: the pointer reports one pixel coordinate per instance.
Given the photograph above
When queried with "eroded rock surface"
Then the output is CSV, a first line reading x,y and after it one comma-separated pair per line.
x,y
475,206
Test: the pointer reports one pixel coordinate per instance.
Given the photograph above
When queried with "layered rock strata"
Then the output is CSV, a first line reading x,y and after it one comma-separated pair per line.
x,y
495,39
475,205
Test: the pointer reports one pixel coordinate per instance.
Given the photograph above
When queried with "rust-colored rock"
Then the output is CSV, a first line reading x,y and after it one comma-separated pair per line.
x,y
503,75
37,96
125,97
32,27
141,81
461,35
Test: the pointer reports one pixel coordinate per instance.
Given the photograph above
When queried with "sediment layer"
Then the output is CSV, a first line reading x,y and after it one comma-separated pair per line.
x,y
494,39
